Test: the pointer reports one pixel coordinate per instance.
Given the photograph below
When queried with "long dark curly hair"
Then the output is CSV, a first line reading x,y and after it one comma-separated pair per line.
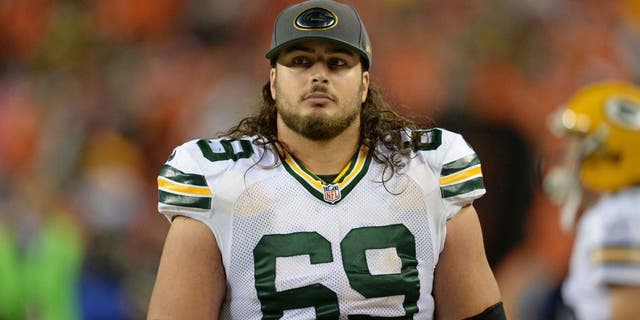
x,y
380,125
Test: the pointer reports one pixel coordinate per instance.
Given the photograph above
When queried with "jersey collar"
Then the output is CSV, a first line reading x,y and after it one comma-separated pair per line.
x,y
336,190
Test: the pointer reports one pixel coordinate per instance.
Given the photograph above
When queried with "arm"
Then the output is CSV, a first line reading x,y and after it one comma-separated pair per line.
x,y
624,302
464,284
191,280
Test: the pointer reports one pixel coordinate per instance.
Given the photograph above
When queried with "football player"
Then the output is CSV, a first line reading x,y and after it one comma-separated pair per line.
x,y
326,204
599,181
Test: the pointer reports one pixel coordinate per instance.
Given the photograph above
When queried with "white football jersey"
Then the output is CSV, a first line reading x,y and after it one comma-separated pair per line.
x,y
296,247
606,252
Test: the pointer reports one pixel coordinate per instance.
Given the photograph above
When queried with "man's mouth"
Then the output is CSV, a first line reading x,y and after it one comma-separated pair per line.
x,y
318,98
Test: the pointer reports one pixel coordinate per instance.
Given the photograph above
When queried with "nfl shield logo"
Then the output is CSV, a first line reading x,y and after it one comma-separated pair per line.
x,y
331,193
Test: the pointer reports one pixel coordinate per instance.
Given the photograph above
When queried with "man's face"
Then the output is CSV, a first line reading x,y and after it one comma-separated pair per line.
x,y
319,88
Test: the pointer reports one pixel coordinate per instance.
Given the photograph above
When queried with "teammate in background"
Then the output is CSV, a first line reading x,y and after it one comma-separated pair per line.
x,y
600,174
326,204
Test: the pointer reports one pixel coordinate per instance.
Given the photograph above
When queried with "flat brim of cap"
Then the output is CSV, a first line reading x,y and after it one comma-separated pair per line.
x,y
273,53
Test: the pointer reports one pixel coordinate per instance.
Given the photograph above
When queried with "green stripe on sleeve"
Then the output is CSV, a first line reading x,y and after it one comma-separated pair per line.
x,y
176,175
460,164
184,201
462,188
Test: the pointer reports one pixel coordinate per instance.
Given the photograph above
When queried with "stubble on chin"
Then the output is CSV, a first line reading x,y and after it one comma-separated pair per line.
x,y
314,126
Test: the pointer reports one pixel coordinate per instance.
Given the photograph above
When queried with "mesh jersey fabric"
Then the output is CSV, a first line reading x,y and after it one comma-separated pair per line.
x,y
295,248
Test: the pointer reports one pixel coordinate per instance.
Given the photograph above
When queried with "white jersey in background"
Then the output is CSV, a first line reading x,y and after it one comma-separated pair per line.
x,y
606,252
295,247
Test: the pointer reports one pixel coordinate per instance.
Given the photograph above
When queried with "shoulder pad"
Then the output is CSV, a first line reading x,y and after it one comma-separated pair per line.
x,y
183,180
454,162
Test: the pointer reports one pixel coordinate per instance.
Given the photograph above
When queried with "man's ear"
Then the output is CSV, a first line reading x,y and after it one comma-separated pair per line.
x,y
365,86
272,83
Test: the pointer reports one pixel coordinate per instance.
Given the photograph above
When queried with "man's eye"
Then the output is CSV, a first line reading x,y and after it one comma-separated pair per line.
x,y
336,62
300,61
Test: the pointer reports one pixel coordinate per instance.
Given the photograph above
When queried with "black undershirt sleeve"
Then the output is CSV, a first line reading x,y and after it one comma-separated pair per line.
x,y
494,312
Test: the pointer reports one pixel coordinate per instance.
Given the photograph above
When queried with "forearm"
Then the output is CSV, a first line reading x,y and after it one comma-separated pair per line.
x,y
464,284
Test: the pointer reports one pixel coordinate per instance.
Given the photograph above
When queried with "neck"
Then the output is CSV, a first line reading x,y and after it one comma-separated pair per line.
x,y
322,157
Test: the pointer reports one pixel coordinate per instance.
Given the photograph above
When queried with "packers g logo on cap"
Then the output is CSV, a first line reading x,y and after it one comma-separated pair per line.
x,y
320,20
315,18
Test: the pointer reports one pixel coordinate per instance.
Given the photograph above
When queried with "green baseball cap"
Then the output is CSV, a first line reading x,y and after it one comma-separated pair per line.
x,y
320,19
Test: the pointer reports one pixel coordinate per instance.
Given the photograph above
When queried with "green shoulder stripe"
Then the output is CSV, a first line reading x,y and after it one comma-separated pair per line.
x,y
184,201
176,175
460,164
462,187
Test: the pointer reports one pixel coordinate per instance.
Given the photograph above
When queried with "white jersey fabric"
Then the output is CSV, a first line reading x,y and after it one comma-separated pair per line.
x,y
295,247
606,252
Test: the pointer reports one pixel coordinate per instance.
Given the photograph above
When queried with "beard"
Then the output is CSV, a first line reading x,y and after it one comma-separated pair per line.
x,y
317,126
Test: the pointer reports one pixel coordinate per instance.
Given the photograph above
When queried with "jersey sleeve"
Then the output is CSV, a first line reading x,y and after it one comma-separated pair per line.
x,y
183,188
616,256
457,167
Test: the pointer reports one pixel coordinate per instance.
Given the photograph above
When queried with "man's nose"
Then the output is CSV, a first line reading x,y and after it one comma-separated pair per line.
x,y
319,73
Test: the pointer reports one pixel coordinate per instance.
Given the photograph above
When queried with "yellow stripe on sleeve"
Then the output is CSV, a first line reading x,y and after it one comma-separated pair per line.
x,y
169,185
460,176
616,255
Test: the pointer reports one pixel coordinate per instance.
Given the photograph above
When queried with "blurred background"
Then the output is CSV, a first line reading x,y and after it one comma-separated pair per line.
x,y
94,95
